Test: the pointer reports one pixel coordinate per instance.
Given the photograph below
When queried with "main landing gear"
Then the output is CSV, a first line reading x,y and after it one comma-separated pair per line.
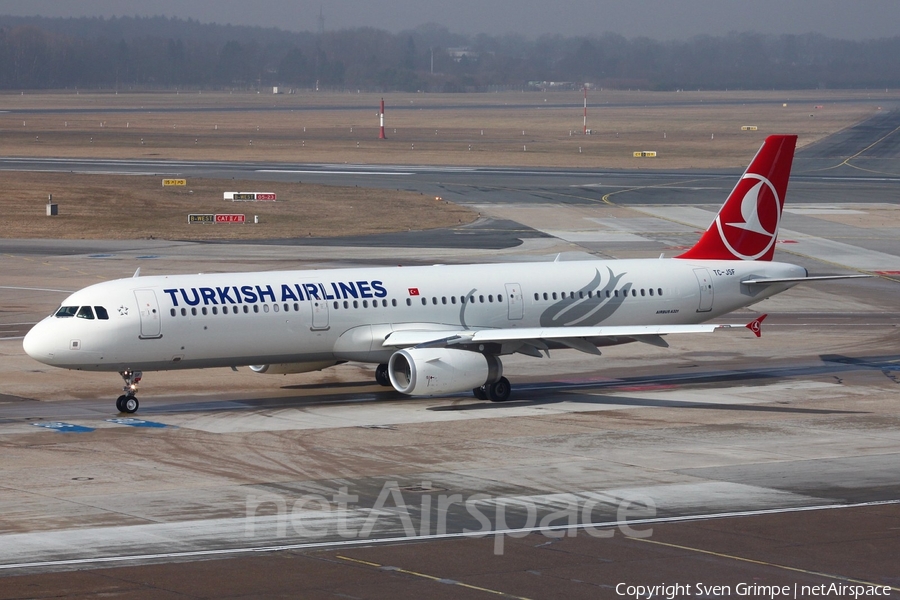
x,y
127,402
495,392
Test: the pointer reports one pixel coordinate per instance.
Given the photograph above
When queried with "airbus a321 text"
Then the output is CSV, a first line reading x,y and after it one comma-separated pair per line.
x,y
430,330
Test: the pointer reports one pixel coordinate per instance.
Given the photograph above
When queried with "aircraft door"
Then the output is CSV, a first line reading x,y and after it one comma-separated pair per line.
x,y
319,314
704,280
516,302
148,308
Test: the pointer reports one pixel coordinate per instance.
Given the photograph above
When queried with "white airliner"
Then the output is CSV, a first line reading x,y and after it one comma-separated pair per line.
x,y
430,330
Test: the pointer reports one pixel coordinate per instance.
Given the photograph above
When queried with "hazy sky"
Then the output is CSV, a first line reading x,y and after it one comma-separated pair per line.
x,y
659,19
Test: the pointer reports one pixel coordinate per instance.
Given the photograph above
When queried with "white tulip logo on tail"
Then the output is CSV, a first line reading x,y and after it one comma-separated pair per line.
x,y
747,224
751,234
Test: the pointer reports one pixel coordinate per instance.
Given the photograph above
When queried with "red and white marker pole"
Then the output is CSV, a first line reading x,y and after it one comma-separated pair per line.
x,y
381,135
585,110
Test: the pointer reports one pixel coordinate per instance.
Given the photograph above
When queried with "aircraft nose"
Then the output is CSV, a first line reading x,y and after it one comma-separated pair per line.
x,y
39,343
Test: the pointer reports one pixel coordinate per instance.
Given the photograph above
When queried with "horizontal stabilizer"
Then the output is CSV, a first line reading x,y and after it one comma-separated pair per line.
x,y
770,280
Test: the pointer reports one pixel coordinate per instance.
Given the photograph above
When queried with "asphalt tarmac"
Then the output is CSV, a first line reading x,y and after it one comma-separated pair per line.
x,y
728,462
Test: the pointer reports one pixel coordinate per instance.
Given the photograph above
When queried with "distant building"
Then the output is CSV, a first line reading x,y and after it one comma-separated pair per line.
x,y
458,54
555,85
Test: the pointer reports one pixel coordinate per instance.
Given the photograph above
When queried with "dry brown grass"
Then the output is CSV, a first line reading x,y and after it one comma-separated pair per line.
x,y
685,128
125,207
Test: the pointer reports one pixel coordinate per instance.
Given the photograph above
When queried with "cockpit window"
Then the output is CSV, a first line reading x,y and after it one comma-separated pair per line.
x,y
66,311
85,312
101,313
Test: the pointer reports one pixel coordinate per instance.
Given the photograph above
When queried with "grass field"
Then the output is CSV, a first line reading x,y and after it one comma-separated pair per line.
x,y
124,207
686,129
437,129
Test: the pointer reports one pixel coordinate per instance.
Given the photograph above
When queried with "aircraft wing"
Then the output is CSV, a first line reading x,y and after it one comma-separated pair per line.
x,y
533,339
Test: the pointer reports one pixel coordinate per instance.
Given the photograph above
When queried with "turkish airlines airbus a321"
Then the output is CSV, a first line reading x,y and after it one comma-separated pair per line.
x,y
430,330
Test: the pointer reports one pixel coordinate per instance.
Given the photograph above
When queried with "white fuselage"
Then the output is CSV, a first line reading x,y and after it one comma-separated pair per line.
x,y
280,317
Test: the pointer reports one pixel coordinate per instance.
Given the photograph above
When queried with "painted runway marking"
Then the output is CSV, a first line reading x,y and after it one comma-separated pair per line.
x,y
32,289
431,577
764,563
316,172
64,427
422,538
131,422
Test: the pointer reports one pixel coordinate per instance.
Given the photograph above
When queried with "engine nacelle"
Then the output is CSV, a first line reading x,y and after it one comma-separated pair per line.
x,y
288,368
428,371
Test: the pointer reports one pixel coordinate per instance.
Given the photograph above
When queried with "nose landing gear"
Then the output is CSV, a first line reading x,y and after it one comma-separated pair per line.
x,y
127,402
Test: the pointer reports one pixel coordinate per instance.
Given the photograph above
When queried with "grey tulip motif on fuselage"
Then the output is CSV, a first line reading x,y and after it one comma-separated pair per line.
x,y
584,310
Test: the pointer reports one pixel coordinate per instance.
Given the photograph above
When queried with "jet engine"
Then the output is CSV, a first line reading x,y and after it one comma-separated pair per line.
x,y
288,368
427,371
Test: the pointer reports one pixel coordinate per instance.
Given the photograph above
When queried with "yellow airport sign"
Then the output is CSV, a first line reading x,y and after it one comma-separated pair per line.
x,y
645,154
168,182
748,128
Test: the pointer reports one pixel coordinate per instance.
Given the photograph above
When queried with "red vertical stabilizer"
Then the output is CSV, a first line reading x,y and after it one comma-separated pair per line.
x,y
747,224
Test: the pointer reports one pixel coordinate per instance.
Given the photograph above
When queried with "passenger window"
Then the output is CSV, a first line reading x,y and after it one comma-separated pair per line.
x,y
562,295
194,312
659,291
554,295
365,304
275,307
66,311
256,308
642,292
608,294
101,313
424,301
203,310
246,309
224,310
172,312
481,299
336,304
651,291
356,304
215,310
536,297
183,312
265,308
85,312
633,292
490,298
409,301
545,296
452,299
296,307
434,300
